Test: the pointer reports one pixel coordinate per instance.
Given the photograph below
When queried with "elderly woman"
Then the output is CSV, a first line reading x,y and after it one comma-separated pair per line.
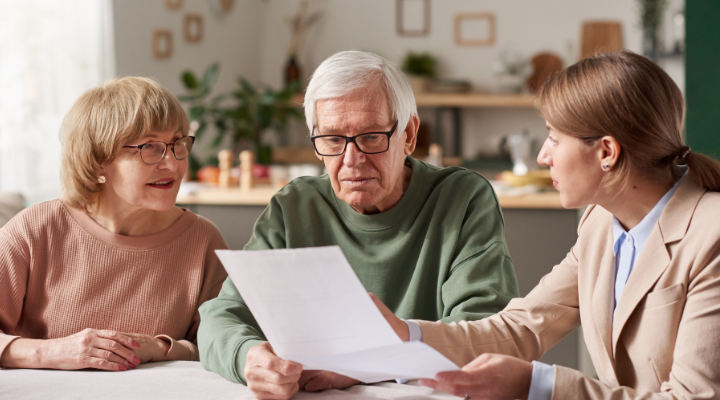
x,y
112,274
643,279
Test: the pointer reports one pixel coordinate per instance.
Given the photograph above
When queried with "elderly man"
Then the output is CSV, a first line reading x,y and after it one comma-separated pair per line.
x,y
428,241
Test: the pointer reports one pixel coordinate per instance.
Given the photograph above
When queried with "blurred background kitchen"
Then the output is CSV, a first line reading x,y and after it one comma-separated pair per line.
x,y
240,67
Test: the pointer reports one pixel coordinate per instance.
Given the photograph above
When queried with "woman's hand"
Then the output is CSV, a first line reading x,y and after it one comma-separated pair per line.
x,y
151,348
490,376
398,325
90,348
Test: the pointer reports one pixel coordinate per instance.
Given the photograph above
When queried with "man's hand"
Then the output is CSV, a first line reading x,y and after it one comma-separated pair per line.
x,y
490,376
315,381
270,377
398,325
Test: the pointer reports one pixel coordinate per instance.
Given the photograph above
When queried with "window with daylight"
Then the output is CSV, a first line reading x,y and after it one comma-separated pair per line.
x,y
50,52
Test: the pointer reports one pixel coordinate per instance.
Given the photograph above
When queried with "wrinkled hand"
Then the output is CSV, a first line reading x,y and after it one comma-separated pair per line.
x,y
490,376
151,348
398,325
91,348
315,381
270,377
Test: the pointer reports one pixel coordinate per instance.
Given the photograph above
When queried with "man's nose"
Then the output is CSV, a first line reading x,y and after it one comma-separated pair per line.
x,y
353,156
543,157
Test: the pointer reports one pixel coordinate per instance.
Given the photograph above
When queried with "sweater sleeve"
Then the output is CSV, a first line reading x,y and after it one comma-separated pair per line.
x,y
213,276
14,270
228,329
482,278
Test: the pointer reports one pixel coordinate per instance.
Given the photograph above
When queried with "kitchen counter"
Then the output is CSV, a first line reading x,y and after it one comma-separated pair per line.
x,y
261,195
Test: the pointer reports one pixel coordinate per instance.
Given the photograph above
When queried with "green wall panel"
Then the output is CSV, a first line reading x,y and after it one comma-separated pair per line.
x,y
702,66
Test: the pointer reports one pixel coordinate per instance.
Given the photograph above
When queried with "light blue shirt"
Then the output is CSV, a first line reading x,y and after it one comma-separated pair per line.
x,y
626,248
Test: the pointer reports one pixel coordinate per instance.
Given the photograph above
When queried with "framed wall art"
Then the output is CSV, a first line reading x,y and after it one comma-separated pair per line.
x,y
412,17
174,4
193,29
475,29
162,44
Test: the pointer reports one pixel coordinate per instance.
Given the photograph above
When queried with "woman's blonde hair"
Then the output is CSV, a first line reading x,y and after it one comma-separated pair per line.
x,y
103,120
628,97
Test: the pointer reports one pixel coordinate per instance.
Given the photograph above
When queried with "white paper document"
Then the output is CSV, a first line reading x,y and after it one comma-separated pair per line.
x,y
315,311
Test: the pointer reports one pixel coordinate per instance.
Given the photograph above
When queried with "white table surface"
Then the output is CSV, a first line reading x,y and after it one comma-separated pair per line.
x,y
172,380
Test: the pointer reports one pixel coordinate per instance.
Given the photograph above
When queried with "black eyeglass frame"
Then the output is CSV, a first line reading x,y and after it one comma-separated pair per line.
x,y
140,147
352,139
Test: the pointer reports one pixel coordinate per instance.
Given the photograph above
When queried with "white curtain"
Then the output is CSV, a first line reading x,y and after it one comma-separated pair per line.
x,y
50,52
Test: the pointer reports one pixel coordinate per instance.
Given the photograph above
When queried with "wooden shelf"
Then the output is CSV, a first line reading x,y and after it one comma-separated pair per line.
x,y
464,100
467,100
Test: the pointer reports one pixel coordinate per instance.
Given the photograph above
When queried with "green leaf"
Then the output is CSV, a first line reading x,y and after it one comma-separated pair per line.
x,y
188,98
211,75
246,86
216,141
200,130
189,80
196,113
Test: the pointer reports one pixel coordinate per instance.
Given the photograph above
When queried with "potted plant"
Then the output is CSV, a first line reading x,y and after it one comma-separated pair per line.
x,y
651,18
420,68
241,116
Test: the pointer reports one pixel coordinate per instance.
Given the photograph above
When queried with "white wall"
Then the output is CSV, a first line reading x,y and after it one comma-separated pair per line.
x,y
231,40
253,40
529,26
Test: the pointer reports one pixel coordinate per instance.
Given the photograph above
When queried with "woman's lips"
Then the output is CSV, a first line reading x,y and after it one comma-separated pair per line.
x,y
163,184
555,184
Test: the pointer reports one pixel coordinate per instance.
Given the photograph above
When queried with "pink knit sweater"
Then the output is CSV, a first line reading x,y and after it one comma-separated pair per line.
x,y
61,272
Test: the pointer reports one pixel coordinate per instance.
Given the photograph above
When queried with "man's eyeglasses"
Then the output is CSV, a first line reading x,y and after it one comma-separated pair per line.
x,y
368,143
153,152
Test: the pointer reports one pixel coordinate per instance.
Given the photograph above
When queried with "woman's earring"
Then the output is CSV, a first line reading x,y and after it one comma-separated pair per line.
x,y
606,167
101,178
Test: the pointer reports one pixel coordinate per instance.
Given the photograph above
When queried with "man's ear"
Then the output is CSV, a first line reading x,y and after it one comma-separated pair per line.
x,y
318,156
411,131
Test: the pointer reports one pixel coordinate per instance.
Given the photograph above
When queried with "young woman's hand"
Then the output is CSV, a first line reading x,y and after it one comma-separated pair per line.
x,y
91,348
398,325
490,376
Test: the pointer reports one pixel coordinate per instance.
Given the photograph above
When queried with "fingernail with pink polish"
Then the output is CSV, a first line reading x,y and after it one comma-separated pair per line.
x,y
136,361
123,368
136,344
132,366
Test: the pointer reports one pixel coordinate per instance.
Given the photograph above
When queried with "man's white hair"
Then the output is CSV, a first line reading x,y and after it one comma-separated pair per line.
x,y
347,71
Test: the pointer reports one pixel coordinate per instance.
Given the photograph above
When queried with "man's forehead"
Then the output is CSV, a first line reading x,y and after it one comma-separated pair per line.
x,y
358,111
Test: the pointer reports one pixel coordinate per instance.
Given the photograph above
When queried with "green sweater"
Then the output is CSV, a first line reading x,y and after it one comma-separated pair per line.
x,y
438,254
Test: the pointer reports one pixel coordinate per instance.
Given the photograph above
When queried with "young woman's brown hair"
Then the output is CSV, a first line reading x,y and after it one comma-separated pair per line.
x,y
628,97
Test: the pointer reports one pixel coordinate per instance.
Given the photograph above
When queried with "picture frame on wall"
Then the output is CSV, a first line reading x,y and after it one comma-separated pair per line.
x,y
193,28
162,44
412,17
174,4
475,29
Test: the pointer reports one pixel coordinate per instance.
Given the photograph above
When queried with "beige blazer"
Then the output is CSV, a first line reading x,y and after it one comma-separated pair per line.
x,y
665,341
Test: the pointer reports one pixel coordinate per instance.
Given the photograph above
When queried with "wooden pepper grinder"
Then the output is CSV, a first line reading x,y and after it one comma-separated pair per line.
x,y
247,159
225,160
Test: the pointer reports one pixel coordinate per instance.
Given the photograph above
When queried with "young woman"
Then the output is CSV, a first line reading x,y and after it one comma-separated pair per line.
x,y
643,279
112,274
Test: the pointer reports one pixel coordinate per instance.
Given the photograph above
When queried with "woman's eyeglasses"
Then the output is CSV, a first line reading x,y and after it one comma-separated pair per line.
x,y
153,152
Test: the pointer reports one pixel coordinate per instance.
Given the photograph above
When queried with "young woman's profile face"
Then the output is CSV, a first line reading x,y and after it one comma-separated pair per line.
x,y
575,168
